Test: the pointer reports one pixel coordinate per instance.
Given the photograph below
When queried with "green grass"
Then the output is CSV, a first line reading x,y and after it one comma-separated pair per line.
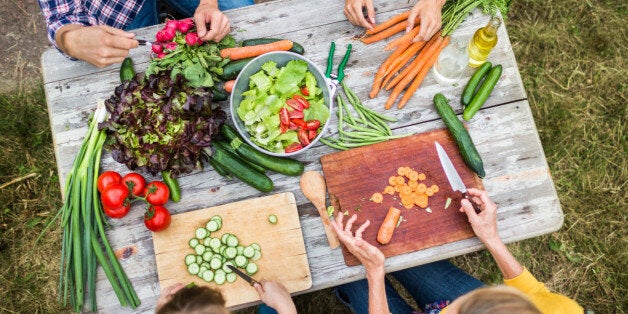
x,y
571,56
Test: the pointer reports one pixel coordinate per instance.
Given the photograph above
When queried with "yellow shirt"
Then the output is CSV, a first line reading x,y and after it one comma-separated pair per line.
x,y
546,301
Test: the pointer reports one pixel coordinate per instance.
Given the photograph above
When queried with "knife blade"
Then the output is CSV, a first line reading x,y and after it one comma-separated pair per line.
x,y
242,275
452,175
143,42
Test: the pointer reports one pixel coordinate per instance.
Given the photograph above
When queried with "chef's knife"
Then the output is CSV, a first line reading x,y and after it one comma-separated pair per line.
x,y
452,175
143,42
242,275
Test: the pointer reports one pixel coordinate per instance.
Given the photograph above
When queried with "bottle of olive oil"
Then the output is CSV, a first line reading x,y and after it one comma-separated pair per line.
x,y
483,42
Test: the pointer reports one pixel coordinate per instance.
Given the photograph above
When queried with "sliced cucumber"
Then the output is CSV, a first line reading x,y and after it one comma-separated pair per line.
x,y
230,252
189,259
199,249
199,259
232,240
201,233
193,269
224,237
256,246
257,255
206,242
240,261
215,262
215,244
208,275
226,268
201,270
272,219
207,256
240,249
205,264
193,242
249,251
212,225
220,276
231,277
251,268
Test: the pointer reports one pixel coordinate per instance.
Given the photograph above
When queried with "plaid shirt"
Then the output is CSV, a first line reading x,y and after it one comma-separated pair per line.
x,y
115,13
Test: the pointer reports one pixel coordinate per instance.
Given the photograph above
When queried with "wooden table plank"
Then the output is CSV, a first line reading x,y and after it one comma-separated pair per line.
x,y
518,178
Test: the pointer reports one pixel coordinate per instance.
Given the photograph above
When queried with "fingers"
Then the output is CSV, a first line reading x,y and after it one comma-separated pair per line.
x,y
199,21
370,11
116,31
350,223
358,233
411,19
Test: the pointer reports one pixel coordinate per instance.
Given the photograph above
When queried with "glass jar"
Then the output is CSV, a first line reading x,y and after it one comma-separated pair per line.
x,y
451,62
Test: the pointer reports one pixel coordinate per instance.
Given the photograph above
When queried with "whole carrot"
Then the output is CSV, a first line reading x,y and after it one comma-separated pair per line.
x,y
421,76
237,53
402,60
388,226
382,70
386,33
418,62
407,37
388,23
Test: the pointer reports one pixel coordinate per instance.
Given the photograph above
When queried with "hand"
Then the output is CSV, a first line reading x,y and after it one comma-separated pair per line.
x,y
353,12
370,256
275,295
99,45
167,294
484,224
429,13
207,13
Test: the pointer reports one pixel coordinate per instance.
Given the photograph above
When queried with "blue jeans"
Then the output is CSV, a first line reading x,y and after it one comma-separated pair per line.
x,y
426,283
148,14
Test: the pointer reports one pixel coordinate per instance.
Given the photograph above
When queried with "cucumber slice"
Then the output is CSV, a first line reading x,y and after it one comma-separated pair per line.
x,y
251,268
232,240
193,242
189,259
224,237
240,261
199,249
226,268
257,255
208,275
218,220
206,241
230,252
215,244
201,270
199,259
193,269
212,226
272,219
205,264
220,276
249,251
201,233
231,277
256,246
240,249
215,263
207,256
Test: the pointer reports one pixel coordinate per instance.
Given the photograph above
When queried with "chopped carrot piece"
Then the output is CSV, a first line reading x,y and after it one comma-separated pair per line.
x,y
421,200
406,189
392,180
429,192
397,188
413,184
401,171
422,176
414,176
389,190
434,188
421,187
400,180
377,198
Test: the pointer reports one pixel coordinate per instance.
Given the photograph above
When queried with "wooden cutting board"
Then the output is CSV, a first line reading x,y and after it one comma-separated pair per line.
x,y
283,250
353,176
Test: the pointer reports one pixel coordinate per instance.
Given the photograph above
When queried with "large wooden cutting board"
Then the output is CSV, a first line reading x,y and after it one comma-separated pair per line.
x,y
283,250
352,176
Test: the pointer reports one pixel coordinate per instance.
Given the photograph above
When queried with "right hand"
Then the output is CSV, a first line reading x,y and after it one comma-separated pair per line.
x,y
99,45
275,295
484,224
353,12
370,256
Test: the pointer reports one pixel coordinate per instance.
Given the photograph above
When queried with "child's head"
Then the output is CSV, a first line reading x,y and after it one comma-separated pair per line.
x,y
194,300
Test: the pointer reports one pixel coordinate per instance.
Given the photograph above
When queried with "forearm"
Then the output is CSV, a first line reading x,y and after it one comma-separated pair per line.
x,y
377,292
507,263
61,38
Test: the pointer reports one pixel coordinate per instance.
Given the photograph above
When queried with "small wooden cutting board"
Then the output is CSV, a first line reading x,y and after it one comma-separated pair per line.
x,y
353,176
283,251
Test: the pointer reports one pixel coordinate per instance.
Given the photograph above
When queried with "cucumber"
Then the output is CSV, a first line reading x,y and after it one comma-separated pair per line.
x,y
230,149
219,92
272,219
296,47
231,70
242,170
127,72
281,165
461,136
173,185
483,92
474,82
219,169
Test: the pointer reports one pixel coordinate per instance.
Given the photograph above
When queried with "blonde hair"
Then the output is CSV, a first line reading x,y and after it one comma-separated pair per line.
x,y
195,300
497,299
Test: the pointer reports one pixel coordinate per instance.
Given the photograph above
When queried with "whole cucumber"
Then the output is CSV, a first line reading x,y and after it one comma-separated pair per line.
x,y
241,170
474,81
460,134
127,72
173,185
483,92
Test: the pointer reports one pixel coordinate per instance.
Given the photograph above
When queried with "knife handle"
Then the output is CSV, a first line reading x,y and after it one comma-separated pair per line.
x,y
475,206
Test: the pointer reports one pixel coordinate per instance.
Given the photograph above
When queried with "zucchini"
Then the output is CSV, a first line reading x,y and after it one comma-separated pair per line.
x,y
127,72
483,92
296,47
242,170
460,134
219,93
219,169
281,165
231,70
474,82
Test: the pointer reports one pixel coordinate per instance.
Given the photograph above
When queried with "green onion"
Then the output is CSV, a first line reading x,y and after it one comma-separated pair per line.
x,y
83,230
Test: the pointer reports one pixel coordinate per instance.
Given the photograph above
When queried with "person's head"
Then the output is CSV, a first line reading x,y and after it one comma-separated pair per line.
x,y
195,300
493,300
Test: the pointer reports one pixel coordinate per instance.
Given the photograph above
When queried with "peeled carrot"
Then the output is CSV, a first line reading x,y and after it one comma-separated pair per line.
x,y
229,86
388,226
388,23
422,74
402,60
407,37
237,53
386,33
381,72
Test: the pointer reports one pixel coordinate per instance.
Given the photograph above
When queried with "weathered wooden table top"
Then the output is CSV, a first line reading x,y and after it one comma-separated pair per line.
x,y
518,178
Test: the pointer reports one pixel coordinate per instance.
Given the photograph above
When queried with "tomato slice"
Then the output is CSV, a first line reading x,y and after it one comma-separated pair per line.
x,y
284,116
283,128
292,126
295,104
305,91
296,114
313,124
300,123
311,134
304,137
302,101
293,147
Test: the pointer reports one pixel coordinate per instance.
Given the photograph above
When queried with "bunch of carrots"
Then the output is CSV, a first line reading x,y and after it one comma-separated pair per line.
x,y
408,64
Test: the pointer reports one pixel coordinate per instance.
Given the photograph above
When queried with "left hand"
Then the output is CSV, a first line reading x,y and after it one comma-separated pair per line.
x,y
429,13
353,12
207,13
370,256
167,294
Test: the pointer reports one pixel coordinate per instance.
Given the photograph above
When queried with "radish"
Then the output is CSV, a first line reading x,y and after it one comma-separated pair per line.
x,y
168,34
184,26
161,55
157,48
191,39
171,24
160,36
171,46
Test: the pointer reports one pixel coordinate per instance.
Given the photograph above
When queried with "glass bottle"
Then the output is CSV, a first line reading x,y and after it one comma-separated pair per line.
x,y
451,62
483,42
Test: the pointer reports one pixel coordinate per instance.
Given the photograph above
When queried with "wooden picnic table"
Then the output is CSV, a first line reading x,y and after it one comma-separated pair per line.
x,y
518,178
